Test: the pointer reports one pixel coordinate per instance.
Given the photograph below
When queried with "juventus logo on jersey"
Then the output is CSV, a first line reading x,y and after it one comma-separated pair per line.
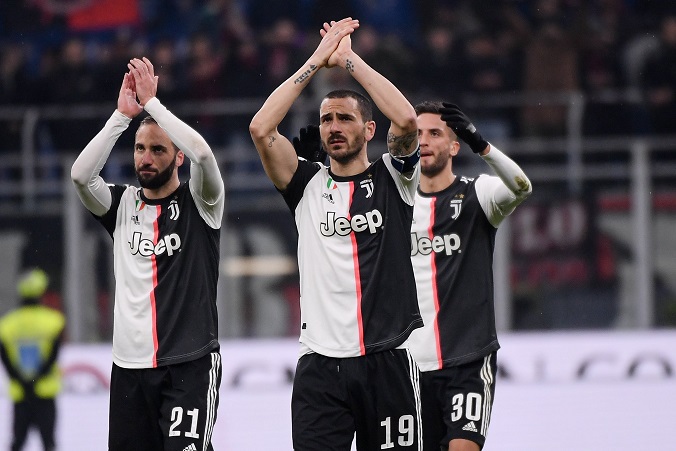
x,y
173,210
368,184
456,206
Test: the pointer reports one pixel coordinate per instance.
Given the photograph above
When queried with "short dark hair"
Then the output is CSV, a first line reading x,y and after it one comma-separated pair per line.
x,y
363,104
149,120
428,106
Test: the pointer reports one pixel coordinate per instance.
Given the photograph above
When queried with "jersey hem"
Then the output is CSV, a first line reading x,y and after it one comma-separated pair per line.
x,y
164,361
393,343
456,361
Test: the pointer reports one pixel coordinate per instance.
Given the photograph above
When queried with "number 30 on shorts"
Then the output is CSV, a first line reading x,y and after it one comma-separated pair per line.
x,y
469,407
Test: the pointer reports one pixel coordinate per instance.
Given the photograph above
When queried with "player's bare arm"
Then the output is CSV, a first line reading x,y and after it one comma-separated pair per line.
x,y
402,136
276,151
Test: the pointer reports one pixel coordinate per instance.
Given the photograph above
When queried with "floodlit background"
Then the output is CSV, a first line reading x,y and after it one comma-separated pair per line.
x,y
581,93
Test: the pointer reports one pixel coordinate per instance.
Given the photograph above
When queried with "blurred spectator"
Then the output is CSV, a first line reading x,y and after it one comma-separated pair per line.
x,y
19,18
551,69
489,71
205,68
280,44
659,78
389,18
170,71
387,54
205,80
245,69
319,11
262,14
15,89
221,20
73,81
442,57
167,19
113,55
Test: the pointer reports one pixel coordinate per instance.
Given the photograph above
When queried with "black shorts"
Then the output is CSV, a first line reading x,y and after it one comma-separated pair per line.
x,y
376,396
170,408
457,402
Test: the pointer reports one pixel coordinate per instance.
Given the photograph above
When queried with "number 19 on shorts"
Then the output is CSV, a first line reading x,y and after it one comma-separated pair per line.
x,y
404,433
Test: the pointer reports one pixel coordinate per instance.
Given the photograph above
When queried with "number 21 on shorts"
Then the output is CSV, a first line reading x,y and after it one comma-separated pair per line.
x,y
177,418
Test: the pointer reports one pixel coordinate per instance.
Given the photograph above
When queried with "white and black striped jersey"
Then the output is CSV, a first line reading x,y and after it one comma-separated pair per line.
x,y
357,287
166,251
452,244
166,267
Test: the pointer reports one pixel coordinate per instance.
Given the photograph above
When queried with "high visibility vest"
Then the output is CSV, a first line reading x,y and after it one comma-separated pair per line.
x,y
28,334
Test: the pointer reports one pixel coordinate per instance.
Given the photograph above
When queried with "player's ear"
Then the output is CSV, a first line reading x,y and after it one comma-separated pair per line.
x,y
180,156
455,147
370,128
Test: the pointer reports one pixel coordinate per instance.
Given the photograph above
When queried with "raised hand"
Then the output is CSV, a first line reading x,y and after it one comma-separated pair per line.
x,y
463,127
308,144
144,79
333,34
126,101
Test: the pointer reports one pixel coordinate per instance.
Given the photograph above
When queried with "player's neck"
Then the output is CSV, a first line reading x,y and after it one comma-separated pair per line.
x,y
437,182
163,191
352,167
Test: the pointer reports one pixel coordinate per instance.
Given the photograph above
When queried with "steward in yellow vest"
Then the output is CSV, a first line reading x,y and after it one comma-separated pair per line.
x,y
30,338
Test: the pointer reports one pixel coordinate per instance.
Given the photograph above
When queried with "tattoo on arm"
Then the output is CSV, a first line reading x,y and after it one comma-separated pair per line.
x,y
349,65
399,146
305,75
271,139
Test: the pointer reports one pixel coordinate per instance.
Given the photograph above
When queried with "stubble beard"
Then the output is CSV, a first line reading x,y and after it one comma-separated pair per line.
x,y
439,165
351,154
158,180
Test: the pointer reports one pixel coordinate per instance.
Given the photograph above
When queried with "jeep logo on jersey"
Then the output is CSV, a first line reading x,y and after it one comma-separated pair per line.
x,y
368,184
342,226
146,247
425,246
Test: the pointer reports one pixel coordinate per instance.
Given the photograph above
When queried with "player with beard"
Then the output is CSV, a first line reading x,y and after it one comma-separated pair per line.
x,y
357,289
166,356
452,241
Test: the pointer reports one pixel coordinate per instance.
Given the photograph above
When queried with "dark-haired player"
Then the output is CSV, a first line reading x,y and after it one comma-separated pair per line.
x,y
452,241
166,358
358,296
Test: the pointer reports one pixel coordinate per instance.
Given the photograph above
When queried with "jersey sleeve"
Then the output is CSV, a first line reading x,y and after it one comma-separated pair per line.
x,y
294,191
86,170
109,219
500,195
407,182
206,183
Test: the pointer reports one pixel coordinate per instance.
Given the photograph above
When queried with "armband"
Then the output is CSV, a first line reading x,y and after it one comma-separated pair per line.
x,y
407,163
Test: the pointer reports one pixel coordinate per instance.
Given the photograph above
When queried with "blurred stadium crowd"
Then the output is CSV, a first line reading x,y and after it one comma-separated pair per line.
x,y
74,51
